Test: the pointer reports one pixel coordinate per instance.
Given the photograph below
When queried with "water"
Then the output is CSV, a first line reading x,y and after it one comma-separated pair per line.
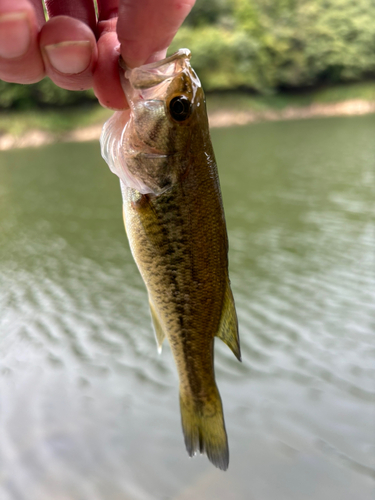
x,y
89,410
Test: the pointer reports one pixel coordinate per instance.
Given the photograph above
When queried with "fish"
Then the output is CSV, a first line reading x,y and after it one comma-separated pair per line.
x,y
161,150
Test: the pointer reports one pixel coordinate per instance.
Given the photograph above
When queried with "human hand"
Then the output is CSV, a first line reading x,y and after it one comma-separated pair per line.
x,y
78,51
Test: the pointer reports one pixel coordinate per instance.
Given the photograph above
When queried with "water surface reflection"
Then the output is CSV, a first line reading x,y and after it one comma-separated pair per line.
x,y
88,408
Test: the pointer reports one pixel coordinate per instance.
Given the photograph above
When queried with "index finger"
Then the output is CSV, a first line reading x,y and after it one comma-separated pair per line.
x,y
20,58
145,28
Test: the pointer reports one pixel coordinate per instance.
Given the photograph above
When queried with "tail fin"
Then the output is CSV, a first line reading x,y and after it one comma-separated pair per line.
x,y
204,429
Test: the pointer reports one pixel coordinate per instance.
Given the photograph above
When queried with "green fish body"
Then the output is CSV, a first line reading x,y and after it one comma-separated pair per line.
x,y
175,223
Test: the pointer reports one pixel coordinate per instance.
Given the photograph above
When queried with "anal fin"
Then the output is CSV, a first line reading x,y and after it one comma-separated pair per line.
x,y
228,329
159,332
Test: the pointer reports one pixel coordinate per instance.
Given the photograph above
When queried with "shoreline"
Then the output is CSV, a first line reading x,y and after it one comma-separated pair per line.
x,y
218,119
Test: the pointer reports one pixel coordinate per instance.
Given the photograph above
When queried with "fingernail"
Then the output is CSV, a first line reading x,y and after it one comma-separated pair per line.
x,y
69,57
15,34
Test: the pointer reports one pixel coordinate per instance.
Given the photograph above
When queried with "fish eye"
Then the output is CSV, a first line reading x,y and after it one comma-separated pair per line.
x,y
179,108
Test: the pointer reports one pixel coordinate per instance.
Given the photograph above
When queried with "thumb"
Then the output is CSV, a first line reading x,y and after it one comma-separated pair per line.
x,y
145,28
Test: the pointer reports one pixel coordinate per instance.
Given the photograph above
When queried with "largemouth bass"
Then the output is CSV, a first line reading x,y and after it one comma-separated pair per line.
x,y
173,213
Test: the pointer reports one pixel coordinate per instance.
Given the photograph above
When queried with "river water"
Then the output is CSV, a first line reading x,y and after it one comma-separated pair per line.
x,y
89,410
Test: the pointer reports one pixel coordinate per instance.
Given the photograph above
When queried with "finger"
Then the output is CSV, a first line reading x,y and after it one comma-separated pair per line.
x,y
69,51
39,12
20,58
107,26
83,10
107,9
145,30
107,86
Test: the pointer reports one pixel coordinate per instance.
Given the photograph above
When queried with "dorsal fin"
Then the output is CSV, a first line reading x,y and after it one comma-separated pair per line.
x,y
159,332
228,329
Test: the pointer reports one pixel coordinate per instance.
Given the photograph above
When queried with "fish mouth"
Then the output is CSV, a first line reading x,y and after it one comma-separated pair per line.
x,y
152,74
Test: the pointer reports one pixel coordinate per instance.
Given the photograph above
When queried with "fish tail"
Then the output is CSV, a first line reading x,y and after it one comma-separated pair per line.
x,y
204,428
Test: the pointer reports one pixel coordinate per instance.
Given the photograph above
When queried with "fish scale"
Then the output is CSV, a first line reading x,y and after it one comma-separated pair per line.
x,y
175,223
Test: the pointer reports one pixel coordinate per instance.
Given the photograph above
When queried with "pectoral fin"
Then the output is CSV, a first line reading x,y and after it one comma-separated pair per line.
x,y
228,330
124,218
159,332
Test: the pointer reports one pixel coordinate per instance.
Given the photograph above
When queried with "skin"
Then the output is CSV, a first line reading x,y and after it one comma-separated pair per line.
x,y
85,49
178,238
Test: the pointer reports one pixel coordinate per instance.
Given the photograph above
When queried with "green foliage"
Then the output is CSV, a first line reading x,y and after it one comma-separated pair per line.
x,y
208,12
41,94
339,38
18,122
260,45
224,59
269,44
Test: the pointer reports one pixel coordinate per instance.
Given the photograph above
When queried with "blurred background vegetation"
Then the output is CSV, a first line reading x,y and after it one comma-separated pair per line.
x,y
259,47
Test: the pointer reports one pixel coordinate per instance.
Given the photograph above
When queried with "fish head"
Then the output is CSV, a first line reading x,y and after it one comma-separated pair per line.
x,y
148,148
